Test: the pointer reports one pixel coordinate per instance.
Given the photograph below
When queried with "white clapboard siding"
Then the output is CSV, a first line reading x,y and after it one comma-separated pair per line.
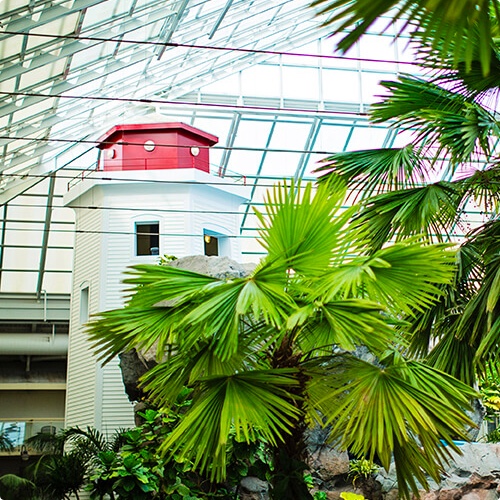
x,y
82,365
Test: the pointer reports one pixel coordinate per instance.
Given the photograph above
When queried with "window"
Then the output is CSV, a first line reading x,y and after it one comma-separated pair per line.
x,y
84,305
147,238
211,245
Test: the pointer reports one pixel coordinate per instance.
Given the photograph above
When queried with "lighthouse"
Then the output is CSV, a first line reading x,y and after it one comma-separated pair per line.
x,y
151,195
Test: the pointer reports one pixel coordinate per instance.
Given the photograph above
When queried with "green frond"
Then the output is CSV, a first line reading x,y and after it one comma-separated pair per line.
x,y
186,367
303,228
460,66
395,407
156,284
224,306
456,125
483,186
484,241
14,487
428,211
229,403
341,323
483,309
410,277
449,26
405,276
378,170
115,331
454,356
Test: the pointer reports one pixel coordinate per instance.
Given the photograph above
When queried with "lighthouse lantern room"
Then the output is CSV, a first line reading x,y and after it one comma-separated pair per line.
x,y
156,146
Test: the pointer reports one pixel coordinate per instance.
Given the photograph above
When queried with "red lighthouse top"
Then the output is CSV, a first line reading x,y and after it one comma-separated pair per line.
x,y
154,146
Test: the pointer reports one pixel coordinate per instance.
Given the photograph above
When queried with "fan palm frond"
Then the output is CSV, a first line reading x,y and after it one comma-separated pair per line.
x,y
444,24
226,403
460,67
454,356
428,211
115,331
344,323
167,380
372,171
159,284
304,229
483,186
452,123
378,410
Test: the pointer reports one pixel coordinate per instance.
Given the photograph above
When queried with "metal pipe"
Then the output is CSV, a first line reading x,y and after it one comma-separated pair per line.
x,y
33,344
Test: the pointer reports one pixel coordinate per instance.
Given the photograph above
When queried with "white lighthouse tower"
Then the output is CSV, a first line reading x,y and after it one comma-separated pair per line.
x,y
152,195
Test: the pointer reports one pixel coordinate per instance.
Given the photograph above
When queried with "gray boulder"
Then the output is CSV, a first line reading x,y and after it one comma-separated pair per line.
x,y
475,472
253,488
218,267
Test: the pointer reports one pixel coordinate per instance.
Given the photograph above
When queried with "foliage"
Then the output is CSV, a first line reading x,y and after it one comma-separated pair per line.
x,y
265,355
57,477
489,388
361,469
129,465
493,436
449,166
319,494
13,487
138,471
59,474
464,31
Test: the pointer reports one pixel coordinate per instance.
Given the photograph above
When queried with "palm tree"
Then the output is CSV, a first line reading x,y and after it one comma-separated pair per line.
x,y
276,352
426,187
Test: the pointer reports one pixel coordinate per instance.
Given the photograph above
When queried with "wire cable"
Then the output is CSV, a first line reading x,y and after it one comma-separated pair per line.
x,y
204,47
95,142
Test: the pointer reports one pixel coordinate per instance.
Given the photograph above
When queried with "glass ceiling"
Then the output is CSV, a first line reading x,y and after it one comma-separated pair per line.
x,y
261,75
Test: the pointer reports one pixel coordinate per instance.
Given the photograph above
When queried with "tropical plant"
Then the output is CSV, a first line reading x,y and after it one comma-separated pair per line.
x,y
362,473
273,353
427,187
361,468
489,388
465,29
13,487
493,436
137,470
58,474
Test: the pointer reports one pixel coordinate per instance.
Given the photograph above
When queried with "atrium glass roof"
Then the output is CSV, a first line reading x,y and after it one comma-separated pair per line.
x,y
262,75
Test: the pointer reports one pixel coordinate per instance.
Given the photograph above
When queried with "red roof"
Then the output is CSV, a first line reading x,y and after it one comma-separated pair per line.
x,y
182,127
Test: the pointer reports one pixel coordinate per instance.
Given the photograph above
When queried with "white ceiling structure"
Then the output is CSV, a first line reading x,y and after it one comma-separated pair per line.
x,y
262,75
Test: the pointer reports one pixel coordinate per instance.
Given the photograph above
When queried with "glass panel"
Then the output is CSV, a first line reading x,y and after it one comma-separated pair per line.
x,y
341,86
261,81
16,282
301,83
17,432
84,305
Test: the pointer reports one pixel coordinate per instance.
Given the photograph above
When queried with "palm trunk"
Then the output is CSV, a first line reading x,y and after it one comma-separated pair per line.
x,y
289,457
